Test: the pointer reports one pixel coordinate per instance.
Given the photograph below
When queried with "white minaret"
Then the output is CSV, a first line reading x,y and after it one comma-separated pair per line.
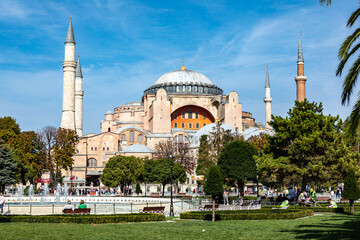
x,y
69,64
267,100
79,93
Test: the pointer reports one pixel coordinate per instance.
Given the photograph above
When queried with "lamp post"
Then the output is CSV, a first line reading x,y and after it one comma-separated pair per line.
x,y
71,177
171,157
257,181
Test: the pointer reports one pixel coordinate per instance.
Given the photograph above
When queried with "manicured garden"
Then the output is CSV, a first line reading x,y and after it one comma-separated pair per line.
x,y
324,226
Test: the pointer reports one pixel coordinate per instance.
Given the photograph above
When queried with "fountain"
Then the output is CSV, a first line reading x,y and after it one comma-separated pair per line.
x,y
21,193
66,192
31,192
58,190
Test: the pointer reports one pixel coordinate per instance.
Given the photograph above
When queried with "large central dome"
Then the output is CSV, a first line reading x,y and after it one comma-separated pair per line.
x,y
183,76
186,82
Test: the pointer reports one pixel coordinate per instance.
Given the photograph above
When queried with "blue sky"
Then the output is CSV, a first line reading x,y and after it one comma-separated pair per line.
x,y
125,46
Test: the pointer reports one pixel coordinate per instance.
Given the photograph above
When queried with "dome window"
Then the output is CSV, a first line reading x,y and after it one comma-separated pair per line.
x,y
132,136
197,125
182,125
190,125
175,125
190,113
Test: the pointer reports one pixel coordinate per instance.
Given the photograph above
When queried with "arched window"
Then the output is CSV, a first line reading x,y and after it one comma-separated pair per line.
x,y
190,125
175,125
132,136
204,124
204,116
182,125
175,116
197,125
197,115
140,138
183,114
92,162
123,137
181,138
190,113
108,129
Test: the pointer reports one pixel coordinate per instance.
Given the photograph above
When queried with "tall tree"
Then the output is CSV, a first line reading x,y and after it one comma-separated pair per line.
x,y
64,150
48,136
348,48
8,169
211,146
237,162
122,171
180,150
351,188
307,148
214,185
161,172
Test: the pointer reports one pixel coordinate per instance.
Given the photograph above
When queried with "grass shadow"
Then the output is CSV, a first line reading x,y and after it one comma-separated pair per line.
x,y
338,226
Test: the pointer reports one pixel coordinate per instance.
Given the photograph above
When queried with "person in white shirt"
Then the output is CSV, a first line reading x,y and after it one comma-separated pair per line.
x,y
69,206
2,202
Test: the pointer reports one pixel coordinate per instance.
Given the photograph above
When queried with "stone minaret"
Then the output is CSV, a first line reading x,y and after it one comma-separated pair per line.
x,y
267,100
300,79
79,93
69,64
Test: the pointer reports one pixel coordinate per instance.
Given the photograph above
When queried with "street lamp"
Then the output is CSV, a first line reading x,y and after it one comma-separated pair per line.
x,y
257,181
71,177
171,157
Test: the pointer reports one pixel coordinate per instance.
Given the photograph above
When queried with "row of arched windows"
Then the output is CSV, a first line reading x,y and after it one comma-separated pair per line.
x,y
189,115
190,125
140,138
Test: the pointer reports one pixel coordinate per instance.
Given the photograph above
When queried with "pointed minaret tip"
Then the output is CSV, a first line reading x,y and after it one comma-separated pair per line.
x,y
78,72
300,53
267,79
70,33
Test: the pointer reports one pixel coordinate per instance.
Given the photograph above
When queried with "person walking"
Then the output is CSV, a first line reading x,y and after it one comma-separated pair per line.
x,y
2,202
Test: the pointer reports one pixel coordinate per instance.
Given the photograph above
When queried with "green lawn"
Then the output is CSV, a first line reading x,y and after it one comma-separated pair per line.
x,y
326,226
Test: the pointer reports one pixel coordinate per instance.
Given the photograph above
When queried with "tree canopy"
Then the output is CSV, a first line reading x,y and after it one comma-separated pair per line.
x,y
237,162
122,171
351,188
8,166
307,148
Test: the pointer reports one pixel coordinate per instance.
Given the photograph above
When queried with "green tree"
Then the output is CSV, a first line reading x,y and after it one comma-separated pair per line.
x,y
237,162
63,150
138,189
307,148
161,172
211,146
214,185
122,171
8,167
351,188
348,48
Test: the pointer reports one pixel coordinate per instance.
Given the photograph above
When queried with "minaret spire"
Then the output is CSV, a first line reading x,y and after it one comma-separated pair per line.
x,y
69,65
267,100
78,72
300,53
300,79
79,94
267,80
70,33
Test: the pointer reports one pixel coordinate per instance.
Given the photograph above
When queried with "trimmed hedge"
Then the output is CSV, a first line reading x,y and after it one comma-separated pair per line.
x,y
262,214
84,219
341,209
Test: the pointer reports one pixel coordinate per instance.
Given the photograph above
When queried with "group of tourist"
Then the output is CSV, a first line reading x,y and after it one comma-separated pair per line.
x,y
82,205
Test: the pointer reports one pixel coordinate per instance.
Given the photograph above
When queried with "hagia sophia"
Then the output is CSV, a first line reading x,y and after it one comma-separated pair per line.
x,y
180,106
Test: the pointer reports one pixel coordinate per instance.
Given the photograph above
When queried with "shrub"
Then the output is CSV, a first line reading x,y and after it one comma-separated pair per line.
x,y
84,219
262,214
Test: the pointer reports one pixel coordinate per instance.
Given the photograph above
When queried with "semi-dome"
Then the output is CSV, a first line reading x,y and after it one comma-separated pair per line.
x,y
185,81
183,76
